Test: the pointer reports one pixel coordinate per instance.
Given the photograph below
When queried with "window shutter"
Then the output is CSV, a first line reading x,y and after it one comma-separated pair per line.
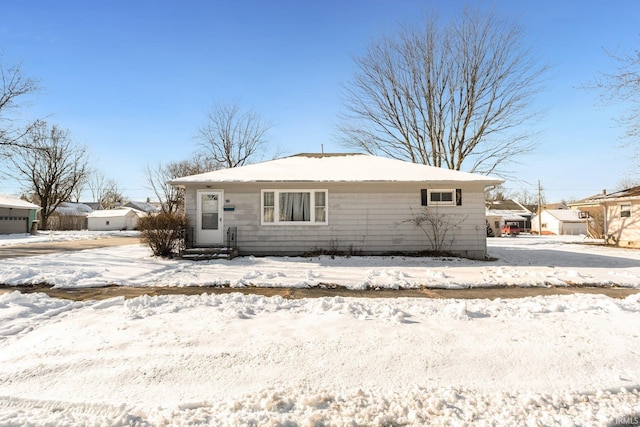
x,y
423,196
458,196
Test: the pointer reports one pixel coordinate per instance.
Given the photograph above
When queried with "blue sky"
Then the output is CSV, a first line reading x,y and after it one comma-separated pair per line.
x,y
133,80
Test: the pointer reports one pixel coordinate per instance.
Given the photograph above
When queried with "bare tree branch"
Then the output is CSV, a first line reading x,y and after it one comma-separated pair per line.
x,y
14,86
172,198
455,97
231,137
97,183
622,86
51,168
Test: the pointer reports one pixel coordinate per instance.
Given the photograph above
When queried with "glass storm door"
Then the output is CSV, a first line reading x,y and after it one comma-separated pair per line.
x,y
209,218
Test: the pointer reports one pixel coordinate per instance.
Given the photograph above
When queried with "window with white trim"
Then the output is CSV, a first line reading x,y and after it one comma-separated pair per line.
x,y
441,197
625,210
294,207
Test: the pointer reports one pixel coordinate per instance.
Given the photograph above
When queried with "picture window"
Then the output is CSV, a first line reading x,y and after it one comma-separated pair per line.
x,y
294,207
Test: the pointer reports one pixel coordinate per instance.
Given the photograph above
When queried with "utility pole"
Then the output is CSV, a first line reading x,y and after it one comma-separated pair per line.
x,y
539,209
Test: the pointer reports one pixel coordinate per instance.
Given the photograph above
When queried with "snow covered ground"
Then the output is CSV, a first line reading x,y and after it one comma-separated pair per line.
x,y
61,236
521,261
251,360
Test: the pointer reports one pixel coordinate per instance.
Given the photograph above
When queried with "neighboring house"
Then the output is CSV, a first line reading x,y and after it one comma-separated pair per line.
x,y
113,219
561,222
69,216
93,205
621,216
507,211
146,207
494,225
592,208
351,203
16,215
554,206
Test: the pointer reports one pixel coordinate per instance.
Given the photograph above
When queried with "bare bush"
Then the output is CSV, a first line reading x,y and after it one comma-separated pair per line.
x,y
163,233
437,227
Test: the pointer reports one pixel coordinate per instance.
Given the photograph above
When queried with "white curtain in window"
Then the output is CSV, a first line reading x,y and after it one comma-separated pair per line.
x,y
268,206
295,207
320,206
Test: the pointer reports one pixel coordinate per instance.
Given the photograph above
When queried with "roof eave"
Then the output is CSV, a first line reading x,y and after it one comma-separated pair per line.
x,y
183,184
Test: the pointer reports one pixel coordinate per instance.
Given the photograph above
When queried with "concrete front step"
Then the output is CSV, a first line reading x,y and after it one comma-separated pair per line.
x,y
202,254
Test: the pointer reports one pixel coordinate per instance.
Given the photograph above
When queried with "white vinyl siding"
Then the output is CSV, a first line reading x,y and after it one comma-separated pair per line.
x,y
360,218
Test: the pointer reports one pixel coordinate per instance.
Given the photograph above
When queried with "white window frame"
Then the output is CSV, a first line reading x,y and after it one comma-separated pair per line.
x,y
312,207
625,207
445,203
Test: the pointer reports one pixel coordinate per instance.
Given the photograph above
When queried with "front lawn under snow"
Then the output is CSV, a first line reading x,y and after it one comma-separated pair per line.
x,y
251,360
237,359
520,261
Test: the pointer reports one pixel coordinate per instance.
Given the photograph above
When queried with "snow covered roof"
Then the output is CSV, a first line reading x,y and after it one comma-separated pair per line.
x,y
566,215
345,167
73,209
7,201
143,206
508,215
629,193
506,206
112,213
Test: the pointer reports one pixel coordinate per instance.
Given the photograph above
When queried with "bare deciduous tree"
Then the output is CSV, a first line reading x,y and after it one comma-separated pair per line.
x,y
172,198
112,196
232,137
455,96
498,192
626,183
50,165
623,87
96,183
14,85
105,192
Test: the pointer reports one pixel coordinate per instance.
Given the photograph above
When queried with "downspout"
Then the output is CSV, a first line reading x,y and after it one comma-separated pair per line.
x,y
605,222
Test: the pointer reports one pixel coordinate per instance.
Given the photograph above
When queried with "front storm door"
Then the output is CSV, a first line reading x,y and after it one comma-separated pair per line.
x,y
209,218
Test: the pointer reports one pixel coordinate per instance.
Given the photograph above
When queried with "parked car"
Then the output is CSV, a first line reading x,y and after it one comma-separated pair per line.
x,y
510,230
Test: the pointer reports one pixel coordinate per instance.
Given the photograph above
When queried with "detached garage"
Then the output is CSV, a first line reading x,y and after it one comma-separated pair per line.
x,y
16,215
113,220
562,222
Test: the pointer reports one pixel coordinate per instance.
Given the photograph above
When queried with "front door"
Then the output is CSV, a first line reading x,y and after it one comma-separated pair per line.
x,y
209,218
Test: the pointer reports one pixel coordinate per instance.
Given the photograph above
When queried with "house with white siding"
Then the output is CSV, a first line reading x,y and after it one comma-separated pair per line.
x,y
16,215
351,203
621,216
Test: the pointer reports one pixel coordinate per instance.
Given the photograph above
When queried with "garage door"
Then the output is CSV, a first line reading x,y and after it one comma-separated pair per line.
x,y
574,228
14,224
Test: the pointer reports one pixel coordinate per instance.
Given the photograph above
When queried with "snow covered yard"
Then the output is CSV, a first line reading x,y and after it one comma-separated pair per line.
x,y
251,360
521,261
61,236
